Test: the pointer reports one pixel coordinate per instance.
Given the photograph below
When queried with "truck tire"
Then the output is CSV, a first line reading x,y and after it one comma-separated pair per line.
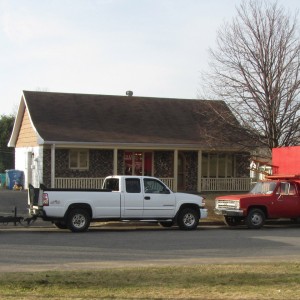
x,y
255,218
188,219
78,220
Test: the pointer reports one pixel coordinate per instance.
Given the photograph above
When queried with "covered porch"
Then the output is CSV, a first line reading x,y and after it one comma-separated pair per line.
x,y
190,170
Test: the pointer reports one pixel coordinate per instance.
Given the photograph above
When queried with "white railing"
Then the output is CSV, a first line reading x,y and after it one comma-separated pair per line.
x,y
168,182
207,184
92,183
225,184
79,183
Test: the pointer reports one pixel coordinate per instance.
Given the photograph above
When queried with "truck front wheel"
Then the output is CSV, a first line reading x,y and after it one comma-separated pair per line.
x,y
255,218
78,220
188,219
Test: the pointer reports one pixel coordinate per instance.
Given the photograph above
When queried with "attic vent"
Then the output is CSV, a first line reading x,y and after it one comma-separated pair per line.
x,y
129,93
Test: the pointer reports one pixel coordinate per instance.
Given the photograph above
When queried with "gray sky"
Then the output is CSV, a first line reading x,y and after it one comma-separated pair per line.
x,y
155,48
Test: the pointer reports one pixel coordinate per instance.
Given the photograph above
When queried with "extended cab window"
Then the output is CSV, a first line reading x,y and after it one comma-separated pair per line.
x,y
111,184
154,187
133,185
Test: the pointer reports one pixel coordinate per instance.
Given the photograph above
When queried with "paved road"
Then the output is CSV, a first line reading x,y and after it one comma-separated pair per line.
x,y
42,247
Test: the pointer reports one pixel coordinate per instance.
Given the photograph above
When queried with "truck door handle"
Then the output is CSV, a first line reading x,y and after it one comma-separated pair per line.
x,y
147,198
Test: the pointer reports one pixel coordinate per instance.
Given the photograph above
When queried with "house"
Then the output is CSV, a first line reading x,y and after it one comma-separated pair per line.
x,y
75,140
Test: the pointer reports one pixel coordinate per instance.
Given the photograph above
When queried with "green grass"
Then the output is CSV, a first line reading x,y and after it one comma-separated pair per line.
x,y
206,281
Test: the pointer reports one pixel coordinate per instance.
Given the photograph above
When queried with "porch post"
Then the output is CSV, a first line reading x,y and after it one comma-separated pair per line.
x,y
175,183
199,173
115,163
53,166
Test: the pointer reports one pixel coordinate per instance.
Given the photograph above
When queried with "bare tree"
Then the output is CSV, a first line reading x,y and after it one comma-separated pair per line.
x,y
255,69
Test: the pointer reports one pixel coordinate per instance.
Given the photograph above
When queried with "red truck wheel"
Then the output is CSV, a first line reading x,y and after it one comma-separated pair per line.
x,y
255,218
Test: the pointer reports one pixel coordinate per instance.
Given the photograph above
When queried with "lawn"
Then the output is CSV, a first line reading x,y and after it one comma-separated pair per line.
x,y
205,281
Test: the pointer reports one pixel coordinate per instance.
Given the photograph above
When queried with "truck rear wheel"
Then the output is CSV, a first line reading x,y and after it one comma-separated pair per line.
x,y
78,220
255,218
188,219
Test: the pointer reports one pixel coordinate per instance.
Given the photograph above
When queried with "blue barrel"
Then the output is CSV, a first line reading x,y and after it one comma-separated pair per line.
x,y
14,177
2,180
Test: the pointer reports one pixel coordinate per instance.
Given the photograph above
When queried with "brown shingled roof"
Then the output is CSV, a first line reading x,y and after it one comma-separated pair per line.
x,y
81,118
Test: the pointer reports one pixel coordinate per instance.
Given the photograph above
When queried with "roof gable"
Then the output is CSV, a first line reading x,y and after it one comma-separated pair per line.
x,y
27,136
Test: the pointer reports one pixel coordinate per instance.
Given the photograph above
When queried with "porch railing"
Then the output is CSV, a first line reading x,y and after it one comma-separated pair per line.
x,y
79,183
168,182
92,183
225,184
207,184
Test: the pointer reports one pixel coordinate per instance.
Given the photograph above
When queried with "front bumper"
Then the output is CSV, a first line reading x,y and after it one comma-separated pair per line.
x,y
229,212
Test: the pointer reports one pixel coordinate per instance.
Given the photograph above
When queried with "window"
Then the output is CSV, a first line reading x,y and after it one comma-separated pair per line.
x,y
133,185
79,159
111,184
218,165
287,188
154,187
264,187
138,163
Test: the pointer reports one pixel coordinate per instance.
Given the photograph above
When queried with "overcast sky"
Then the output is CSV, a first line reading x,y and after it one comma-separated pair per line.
x,y
155,48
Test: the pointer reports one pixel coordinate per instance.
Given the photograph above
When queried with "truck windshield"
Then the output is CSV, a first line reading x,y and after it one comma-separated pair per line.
x,y
263,188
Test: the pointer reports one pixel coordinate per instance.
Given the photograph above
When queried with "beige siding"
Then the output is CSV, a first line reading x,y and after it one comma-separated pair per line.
x,y
27,136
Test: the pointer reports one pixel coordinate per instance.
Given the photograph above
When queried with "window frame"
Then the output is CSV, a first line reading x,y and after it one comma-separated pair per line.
x,y
133,185
78,153
164,189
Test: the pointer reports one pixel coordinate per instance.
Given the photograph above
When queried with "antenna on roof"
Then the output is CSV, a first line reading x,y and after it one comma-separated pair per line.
x,y
129,93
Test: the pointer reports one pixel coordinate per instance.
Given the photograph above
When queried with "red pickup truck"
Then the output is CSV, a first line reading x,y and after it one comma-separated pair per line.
x,y
276,197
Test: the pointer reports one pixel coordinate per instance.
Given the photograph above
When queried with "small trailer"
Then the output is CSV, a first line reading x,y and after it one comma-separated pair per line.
x,y
14,218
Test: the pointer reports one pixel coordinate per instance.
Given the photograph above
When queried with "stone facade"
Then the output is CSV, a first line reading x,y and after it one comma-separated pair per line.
x,y
163,164
242,164
100,165
47,167
191,170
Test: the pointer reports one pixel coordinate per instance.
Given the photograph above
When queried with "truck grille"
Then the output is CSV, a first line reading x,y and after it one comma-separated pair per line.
x,y
227,204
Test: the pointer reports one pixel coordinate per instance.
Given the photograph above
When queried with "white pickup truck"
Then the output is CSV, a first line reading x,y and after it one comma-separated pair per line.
x,y
122,198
